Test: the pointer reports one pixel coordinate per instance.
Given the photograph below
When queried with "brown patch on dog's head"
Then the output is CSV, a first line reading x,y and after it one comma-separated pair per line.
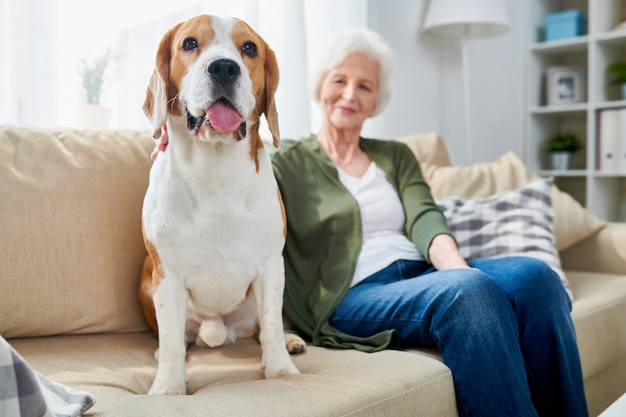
x,y
263,71
171,66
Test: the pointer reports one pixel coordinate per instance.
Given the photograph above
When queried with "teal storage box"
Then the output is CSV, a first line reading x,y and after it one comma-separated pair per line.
x,y
566,24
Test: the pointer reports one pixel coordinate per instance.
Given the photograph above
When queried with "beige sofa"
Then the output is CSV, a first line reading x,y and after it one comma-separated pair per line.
x,y
72,253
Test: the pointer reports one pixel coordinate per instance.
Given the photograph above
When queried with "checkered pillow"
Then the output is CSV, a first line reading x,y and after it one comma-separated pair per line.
x,y
517,222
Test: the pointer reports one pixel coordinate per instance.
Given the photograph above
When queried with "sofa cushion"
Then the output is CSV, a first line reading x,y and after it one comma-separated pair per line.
x,y
572,222
512,223
479,180
71,263
429,149
599,310
228,381
604,251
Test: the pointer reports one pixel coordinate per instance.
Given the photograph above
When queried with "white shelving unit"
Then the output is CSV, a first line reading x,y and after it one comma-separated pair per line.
x,y
603,193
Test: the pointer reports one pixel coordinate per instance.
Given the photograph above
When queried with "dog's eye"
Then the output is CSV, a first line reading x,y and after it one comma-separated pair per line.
x,y
249,48
190,44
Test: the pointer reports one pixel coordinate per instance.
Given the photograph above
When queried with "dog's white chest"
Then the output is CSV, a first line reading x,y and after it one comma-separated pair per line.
x,y
214,228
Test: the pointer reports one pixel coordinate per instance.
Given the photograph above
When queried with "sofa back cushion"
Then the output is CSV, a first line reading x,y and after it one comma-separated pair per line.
x,y
572,222
429,149
71,241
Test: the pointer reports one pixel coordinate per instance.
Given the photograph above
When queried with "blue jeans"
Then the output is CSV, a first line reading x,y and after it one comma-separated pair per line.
x,y
504,329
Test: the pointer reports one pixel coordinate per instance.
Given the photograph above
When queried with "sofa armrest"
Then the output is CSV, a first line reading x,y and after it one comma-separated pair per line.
x,y
604,251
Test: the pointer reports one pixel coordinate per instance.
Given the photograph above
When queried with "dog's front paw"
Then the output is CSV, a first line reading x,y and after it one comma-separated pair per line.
x,y
294,343
280,369
169,381
167,388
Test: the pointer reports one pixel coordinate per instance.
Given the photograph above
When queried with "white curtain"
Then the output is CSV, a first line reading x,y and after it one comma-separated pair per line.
x,y
39,82
7,92
27,62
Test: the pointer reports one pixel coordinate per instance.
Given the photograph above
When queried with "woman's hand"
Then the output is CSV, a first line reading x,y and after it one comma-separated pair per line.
x,y
444,253
160,144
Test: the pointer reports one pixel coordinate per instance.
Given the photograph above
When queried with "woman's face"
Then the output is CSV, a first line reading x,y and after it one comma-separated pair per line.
x,y
348,92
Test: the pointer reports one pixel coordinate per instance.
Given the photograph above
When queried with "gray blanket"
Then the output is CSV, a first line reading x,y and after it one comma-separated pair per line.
x,y
26,393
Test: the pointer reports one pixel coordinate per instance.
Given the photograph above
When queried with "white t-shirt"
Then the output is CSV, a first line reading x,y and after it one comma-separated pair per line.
x,y
382,219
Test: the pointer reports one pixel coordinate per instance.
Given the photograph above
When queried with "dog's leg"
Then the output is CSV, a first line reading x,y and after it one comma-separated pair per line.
x,y
268,295
170,299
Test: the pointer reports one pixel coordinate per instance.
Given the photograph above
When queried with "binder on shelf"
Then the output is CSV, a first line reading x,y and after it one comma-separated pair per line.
x,y
621,141
608,140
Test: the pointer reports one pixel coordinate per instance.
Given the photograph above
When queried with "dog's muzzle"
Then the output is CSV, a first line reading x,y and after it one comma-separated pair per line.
x,y
221,115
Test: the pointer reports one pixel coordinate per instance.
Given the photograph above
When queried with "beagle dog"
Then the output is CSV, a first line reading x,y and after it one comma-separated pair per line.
x,y
213,221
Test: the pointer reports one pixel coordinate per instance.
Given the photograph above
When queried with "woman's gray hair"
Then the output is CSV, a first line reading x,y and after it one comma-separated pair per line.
x,y
357,40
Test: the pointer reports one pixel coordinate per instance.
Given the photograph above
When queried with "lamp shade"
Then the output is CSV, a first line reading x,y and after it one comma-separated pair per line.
x,y
469,18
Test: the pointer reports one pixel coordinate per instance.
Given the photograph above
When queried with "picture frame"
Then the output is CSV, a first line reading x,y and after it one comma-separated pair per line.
x,y
566,85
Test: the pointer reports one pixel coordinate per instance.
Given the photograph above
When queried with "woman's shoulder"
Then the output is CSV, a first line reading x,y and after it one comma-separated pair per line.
x,y
288,146
387,147
293,152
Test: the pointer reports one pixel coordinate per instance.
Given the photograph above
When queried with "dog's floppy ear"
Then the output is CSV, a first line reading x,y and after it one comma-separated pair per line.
x,y
155,105
271,83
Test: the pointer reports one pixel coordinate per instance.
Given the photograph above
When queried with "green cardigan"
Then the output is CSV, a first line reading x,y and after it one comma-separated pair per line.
x,y
324,233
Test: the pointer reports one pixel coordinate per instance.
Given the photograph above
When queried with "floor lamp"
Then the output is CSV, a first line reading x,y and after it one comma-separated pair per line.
x,y
463,19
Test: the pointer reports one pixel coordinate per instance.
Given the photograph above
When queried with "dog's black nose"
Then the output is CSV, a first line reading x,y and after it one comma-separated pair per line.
x,y
223,71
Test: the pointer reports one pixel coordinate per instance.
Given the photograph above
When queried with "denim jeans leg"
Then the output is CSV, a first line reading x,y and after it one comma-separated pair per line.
x,y
462,312
547,335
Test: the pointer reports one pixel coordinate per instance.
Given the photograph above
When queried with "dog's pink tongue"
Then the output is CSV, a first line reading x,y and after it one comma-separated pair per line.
x,y
223,117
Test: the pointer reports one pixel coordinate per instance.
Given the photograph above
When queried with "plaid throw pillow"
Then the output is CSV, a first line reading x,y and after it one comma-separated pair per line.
x,y
517,222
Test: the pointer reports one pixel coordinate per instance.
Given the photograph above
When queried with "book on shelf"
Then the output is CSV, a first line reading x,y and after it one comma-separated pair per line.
x,y
612,140
621,141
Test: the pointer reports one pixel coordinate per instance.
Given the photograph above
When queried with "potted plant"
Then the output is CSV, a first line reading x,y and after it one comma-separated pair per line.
x,y
617,71
561,146
91,114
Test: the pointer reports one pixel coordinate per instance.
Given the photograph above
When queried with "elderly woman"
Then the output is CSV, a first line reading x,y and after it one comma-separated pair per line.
x,y
371,263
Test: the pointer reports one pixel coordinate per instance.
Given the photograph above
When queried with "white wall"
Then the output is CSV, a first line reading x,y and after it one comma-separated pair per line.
x,y
428,84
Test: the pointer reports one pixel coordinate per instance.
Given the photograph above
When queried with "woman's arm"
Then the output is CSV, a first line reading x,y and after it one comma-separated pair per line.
x,y
444,253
